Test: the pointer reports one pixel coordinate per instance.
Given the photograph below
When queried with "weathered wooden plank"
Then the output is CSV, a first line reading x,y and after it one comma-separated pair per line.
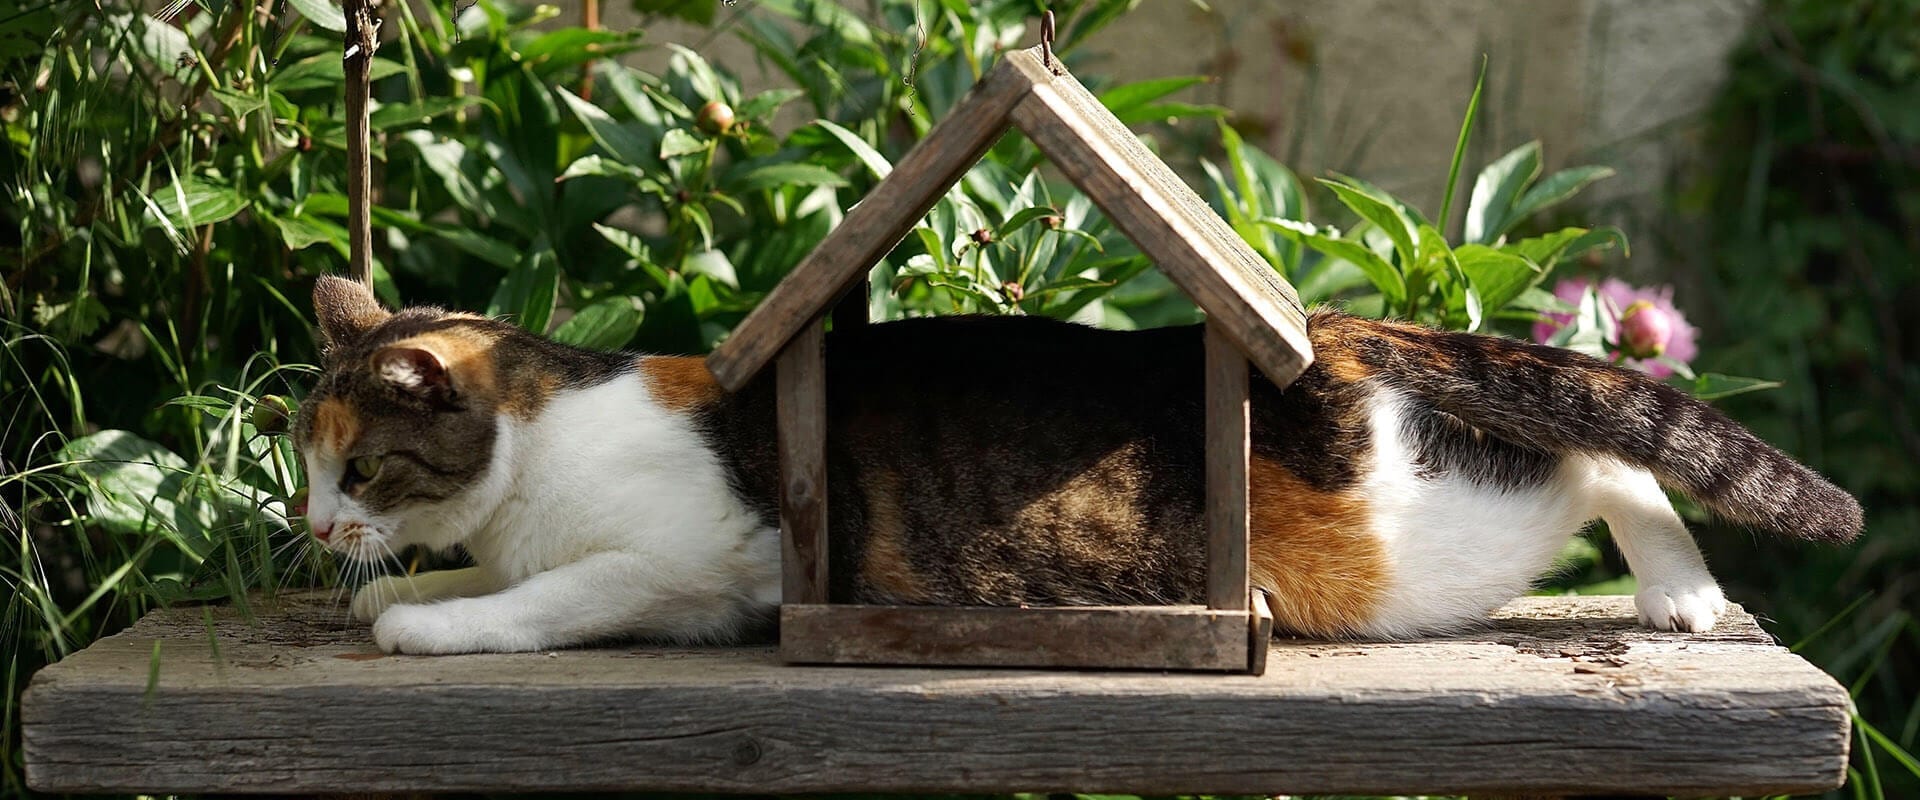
x,y
1556,696
801,386
1132,637
1162,215
872,227
1227,449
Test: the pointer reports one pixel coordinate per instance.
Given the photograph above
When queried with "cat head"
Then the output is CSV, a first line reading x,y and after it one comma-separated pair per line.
x,y
402,426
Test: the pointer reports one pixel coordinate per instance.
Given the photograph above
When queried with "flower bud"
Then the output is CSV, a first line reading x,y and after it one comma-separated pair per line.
x,y
1645,330
715,117
270,414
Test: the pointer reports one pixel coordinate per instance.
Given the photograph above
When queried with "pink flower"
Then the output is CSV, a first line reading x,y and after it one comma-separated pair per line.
x,y
1647,325
1645,330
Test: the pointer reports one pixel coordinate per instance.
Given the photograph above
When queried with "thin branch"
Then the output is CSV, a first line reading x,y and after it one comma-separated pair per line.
x,y
363,36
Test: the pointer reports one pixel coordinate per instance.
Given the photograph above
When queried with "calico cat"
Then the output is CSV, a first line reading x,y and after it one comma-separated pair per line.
x,y
1409,482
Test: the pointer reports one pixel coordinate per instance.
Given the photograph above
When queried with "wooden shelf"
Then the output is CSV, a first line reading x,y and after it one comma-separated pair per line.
x,y
1560,695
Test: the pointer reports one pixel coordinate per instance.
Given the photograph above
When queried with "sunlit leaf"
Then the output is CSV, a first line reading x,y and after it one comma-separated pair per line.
x,y
607,324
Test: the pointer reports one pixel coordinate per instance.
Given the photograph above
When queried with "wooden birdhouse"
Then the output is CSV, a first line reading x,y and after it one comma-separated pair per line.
x,y
1252,317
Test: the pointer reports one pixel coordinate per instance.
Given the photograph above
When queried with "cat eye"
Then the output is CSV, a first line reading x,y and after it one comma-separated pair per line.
x,y
363,469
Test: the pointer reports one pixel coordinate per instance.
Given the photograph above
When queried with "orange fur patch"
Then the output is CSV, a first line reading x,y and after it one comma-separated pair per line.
x,y
335,426
884,566
1314,551
679,383
467,354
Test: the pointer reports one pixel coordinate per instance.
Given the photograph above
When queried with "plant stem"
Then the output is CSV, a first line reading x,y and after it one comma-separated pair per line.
x,y
363,31
590,19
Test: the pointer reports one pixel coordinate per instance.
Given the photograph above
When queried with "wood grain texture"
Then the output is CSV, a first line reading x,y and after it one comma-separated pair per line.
x,y
1132,637
801,386
1556,696
873,226
1227,451
1162,215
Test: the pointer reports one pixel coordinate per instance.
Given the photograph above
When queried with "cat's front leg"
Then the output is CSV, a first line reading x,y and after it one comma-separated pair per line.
x,y
380,593
603,596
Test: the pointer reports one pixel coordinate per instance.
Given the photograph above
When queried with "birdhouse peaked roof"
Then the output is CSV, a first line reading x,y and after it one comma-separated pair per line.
x,y
1190,243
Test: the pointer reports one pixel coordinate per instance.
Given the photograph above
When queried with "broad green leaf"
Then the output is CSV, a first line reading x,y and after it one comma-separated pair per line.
x,y
529,290
421,113
571,47
238,104
624,144
1600,238
194,203
1380,210
479,245
1545,249
324,70
460,172
606,324
1130,96
323,14
699,75
1383,276
1500,277
876,163
1332,277
1490,211
1713,386
635,249
1554,189
628,86
1023,218
787,174
713,264
138,487
764,104
596,165
300,232
680,142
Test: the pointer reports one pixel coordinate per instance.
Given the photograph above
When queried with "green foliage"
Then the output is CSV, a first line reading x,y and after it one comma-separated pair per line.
x,y
1812,270
172,190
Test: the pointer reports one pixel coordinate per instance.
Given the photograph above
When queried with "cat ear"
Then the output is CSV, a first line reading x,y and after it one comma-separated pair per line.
x,y
415,370
345,308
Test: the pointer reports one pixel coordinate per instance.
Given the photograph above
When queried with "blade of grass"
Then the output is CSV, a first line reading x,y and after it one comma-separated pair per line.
x,y
1460,145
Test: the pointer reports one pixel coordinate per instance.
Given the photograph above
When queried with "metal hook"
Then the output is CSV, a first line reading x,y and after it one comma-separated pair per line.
x,y
1046,39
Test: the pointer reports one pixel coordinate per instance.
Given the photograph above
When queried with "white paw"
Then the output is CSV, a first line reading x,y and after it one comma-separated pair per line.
x,y
380,593
1691,608
421,630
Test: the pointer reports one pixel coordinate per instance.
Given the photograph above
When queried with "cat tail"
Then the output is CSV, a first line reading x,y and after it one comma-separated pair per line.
x,y
1559,401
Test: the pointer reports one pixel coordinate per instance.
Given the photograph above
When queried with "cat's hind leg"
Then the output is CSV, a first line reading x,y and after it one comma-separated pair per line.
x,y
1677,593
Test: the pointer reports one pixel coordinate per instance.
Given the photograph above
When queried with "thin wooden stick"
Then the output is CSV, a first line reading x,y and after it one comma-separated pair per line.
x,y
363,37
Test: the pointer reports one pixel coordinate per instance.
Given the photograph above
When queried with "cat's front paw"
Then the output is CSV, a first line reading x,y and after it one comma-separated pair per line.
x,y
1688,608
421,630
380,593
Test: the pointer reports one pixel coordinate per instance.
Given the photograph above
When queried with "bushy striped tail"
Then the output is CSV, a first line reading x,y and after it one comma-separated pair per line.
x,y
1560,401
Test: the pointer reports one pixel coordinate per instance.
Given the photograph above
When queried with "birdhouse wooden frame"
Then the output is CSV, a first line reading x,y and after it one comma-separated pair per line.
x,y
1252,317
